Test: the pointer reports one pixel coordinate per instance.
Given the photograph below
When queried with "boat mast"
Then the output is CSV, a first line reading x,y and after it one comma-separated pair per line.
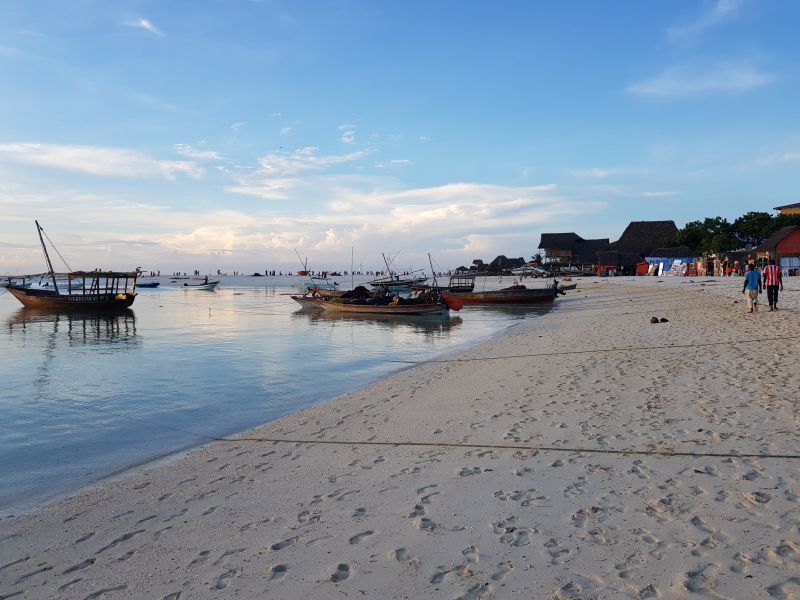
x,y
433,273
46,256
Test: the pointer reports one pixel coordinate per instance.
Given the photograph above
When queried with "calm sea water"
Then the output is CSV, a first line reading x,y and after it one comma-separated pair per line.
x,y
85,396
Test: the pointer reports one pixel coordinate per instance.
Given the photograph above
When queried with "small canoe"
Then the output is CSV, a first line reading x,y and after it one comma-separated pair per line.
x,y
149,284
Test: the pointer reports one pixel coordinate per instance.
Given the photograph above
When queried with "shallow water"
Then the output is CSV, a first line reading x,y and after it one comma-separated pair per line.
x,y
86,396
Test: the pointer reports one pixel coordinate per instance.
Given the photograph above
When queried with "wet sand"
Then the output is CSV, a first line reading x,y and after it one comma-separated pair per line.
x,y
583,454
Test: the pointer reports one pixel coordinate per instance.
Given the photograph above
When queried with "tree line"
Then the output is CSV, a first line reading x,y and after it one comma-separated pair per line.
x,y
715,234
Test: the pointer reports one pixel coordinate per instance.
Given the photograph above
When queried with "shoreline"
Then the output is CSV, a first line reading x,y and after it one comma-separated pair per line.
x,y
25,509
478,513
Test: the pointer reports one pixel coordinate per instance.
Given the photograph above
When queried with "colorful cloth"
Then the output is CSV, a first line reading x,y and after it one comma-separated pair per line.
x,y
772,275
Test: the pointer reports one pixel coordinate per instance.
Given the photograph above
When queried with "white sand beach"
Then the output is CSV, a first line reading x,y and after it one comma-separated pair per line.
x,y
584,454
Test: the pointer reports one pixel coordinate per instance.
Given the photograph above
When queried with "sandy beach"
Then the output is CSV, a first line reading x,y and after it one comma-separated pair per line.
x,y
584,454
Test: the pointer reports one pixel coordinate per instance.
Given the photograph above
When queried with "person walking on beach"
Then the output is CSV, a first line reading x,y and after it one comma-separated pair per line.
x,y
752,287
773,279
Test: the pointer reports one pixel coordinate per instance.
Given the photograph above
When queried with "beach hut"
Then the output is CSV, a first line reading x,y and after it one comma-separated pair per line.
x,y
789,209
570,248
784,247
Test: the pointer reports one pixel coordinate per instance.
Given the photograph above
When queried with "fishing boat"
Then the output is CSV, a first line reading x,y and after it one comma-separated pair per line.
x,y
365,307
514,295
98,290
381,302
149,284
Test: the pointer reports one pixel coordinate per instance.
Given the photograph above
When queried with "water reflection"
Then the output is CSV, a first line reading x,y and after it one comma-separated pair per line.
x,y
77,327
512,312
427,324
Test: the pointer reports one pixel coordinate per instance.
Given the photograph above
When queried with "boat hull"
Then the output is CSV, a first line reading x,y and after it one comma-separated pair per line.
x,y
375,309
48,299
508,297
202,286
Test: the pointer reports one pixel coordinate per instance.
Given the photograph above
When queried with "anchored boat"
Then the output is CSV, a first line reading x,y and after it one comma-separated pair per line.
x,y
85,290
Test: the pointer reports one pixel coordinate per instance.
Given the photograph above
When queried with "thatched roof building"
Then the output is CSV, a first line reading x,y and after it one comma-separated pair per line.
x,y
642,237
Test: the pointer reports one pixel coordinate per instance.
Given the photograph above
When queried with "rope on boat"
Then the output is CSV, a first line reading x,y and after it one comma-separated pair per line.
x,y
596,350
560,449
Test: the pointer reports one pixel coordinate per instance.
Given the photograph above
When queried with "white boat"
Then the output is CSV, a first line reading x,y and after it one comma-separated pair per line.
x,y
207,285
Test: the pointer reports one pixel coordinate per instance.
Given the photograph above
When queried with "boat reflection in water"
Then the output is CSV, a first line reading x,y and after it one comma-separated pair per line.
x,y
78,327
425,324
512,312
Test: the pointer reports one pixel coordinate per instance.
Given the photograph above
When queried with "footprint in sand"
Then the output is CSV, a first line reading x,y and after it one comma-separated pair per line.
x,y
503,569
283,544
342,573
401,555
278,572
200,558
357,538
470,554
308,517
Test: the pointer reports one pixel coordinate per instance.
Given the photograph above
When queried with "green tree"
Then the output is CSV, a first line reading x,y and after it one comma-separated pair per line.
x,y
754,227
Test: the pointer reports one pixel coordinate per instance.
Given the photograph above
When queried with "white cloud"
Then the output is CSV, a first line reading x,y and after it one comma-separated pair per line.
x,y
778,159
722,12
186,150
604,173
145,25
455,222
400,162
661,194
678,82
286,130
94,160
237,126
279,173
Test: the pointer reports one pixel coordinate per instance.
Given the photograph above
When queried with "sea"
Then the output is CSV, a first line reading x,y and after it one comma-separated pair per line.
x,y
84,397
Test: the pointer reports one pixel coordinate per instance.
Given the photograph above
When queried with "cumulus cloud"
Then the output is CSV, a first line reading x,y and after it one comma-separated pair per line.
x,y
280,172
94,160
145,25
682,81
191,152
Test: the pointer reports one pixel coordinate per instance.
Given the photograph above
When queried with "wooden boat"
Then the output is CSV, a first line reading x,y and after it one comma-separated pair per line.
x,y
361,301
458,283
97,290
514,295
149,284
337,305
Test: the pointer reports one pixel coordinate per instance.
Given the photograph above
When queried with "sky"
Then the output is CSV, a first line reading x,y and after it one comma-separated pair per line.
x,y
233,134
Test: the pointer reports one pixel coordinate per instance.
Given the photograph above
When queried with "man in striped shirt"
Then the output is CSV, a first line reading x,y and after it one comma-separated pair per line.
x,y
772,281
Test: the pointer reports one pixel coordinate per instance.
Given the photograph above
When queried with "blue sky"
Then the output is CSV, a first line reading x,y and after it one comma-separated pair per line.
x,y
226,134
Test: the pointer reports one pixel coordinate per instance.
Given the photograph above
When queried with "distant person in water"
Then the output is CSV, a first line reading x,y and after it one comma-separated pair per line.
x,y
206,279
773,279
752,287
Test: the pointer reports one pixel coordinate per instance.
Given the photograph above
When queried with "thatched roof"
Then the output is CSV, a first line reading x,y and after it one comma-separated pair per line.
x,y
642,237
676,252
501,262
795,205
614,257
776,238
586,250
559,241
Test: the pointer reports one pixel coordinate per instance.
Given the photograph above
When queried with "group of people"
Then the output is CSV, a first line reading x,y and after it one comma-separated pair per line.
x,y
755,282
